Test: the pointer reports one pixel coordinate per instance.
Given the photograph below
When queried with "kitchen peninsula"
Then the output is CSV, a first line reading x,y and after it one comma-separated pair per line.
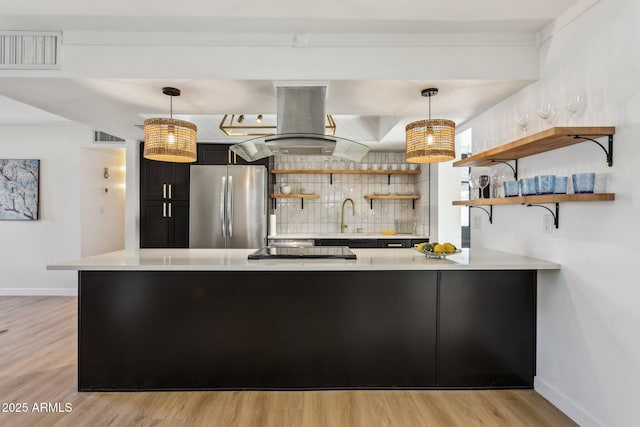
x,y
210,319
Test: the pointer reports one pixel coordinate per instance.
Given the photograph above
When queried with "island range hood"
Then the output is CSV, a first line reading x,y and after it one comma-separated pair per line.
x,y
301,129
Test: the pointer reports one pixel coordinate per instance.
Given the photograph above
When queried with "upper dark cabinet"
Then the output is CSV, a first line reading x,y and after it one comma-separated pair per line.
x,y
219,154
163,180
164,204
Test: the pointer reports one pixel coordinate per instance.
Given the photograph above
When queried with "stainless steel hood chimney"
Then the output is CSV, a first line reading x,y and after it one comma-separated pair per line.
x,y
301,129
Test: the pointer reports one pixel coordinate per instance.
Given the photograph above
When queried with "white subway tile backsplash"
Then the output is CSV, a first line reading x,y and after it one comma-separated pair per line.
x,y
322,215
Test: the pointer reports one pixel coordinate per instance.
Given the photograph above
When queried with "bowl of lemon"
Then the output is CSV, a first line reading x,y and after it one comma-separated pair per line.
x,y
437,250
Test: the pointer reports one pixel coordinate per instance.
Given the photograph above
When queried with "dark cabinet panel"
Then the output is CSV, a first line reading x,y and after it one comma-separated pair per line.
x,y
164,203
163,180
180,218
306,329
394,243
219,154
370,243
180,183
164,224
352,243
487,329
214,154
416,241
256,330
154,179
154,225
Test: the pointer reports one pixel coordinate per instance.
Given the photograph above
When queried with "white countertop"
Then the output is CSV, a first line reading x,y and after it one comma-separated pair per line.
x,y
236,260
295,236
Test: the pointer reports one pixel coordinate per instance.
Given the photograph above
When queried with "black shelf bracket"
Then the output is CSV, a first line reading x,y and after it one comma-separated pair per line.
x,y
506,162
413,204
331,179
608,153
274,203
556,215
488,212
388,179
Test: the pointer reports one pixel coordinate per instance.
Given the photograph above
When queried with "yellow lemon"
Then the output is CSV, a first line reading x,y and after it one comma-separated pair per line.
x,y
438,249
421,246
449,248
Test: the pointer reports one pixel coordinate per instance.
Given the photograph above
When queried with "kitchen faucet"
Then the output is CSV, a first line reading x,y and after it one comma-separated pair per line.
x,y
353,206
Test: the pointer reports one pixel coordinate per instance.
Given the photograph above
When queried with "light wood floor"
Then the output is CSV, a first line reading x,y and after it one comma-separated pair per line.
x,y
38,364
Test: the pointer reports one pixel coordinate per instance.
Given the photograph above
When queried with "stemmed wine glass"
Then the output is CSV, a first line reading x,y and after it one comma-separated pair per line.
x,y
574,103
483,181
474,183
523,122
547,112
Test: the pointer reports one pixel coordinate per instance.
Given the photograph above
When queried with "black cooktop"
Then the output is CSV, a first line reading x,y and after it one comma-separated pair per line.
x,y
325,252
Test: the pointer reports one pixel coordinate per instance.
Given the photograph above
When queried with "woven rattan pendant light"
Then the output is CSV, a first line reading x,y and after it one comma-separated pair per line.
x,y
170,140
432,140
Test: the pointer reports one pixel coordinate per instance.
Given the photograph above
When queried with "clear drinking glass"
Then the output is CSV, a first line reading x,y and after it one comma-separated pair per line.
x,y
496,183
483,182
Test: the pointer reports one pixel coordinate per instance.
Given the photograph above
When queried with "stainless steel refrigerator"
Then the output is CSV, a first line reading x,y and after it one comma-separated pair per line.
x,y
228,206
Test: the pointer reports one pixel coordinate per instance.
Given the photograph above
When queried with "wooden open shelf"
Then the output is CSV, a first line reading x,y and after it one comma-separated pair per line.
x,y
412,197
295,196
546,140
391,197
537,201
544,198
347,171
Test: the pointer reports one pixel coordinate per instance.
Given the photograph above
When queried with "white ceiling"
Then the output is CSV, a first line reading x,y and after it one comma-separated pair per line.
x,y
370,111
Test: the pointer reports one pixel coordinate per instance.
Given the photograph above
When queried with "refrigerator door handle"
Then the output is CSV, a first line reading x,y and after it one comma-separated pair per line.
x,y
222,218
230,206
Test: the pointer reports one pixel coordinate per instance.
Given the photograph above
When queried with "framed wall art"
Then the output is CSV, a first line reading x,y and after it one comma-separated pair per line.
x,y
19,189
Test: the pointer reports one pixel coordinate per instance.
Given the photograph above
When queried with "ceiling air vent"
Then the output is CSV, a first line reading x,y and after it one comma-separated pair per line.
x,y
103,137
30,50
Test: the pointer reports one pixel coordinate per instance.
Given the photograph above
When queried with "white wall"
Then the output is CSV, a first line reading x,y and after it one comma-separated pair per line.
x,y
27,247
103,212
588,361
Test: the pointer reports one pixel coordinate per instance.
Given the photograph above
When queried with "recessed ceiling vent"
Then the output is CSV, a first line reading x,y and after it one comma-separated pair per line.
x,y
30,50
100,137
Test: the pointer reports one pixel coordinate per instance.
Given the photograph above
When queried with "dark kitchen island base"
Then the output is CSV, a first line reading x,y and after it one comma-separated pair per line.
x,y
280,330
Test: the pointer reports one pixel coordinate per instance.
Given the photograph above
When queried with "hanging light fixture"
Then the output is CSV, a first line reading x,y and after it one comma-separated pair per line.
x,y
432,140
259,118
170,140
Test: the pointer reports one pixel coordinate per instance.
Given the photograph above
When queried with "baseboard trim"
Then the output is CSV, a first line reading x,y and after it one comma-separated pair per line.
x,y
63,292
565,404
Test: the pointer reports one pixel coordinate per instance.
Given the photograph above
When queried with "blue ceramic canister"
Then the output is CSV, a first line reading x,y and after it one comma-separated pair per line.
x,y
545,184
560,186
528,186
583,182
